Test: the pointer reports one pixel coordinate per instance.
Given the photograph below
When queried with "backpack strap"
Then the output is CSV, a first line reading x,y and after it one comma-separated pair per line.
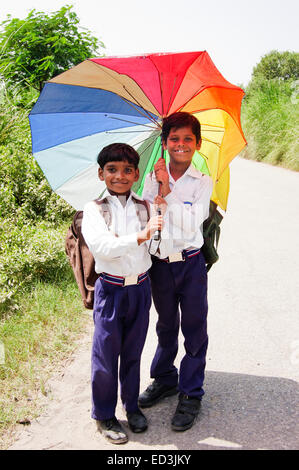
x,y
105,211
142,211
211,234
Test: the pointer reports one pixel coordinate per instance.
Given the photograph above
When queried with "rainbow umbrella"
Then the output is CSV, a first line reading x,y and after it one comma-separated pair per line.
x,y
124,99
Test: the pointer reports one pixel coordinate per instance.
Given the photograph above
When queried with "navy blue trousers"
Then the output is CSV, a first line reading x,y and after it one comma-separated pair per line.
x,y
180,286
121,316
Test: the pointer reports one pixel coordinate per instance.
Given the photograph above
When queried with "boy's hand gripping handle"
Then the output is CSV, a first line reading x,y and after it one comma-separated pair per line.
x,y
157,234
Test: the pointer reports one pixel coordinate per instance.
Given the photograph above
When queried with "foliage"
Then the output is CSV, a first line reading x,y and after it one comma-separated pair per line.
x,y
41,46
277,65
270,117
28,254
24,192
31,240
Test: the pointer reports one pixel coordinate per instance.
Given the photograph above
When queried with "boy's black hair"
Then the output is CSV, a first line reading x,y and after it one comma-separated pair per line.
x,y
179,120
118,152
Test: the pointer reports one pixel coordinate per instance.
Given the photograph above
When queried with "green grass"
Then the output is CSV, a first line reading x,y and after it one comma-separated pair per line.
x,y
37,337
270,118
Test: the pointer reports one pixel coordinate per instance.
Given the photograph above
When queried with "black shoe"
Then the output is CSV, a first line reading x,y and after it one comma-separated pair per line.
x,y
112,430
154,393
186,412
137,421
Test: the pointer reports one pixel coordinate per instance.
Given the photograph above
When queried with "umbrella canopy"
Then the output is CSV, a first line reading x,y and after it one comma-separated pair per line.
x,y
124,99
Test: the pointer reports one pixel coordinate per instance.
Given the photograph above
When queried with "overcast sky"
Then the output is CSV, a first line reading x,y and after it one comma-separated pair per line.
x,y
236,33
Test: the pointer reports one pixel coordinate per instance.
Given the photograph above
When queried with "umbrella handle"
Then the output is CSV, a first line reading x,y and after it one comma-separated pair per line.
x,y
157,234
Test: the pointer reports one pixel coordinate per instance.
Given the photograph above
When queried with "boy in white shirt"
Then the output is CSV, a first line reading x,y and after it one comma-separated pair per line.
x,y
178,274
122,292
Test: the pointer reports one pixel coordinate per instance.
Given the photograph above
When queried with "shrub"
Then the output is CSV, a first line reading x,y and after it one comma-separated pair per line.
x,y
29,254
270,118
24,190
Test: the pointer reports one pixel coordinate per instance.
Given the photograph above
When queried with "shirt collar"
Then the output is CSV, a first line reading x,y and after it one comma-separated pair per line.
x,y
106,194
191,171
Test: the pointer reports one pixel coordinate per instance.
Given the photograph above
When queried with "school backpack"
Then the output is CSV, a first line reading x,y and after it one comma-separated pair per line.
x,y
211,234
77,251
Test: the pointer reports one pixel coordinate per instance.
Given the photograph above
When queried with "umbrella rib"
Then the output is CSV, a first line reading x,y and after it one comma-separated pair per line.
x,y
152,136
169,103
211,142
189,99
222,129
147,114
125,132
219,128
131,122
161,88
210,125
144,150
203,155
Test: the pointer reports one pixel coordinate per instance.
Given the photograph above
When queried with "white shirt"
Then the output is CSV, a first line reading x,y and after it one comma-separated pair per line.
x,y
115,250
187,207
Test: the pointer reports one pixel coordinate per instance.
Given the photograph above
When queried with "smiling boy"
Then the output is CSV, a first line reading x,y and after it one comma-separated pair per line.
x,y
178,274
119,176
122,296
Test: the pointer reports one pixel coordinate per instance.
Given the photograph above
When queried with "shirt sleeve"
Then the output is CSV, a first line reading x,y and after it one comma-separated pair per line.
x,y
186,217
100,241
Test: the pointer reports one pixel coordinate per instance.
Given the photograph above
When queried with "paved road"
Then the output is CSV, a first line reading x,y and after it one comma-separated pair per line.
x,y
252,392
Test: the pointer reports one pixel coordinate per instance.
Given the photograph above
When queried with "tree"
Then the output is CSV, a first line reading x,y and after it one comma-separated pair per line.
x,y
277,65
41,46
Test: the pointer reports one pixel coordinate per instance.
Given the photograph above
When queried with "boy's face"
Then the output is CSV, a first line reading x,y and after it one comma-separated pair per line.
x,y
181,145
119,176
